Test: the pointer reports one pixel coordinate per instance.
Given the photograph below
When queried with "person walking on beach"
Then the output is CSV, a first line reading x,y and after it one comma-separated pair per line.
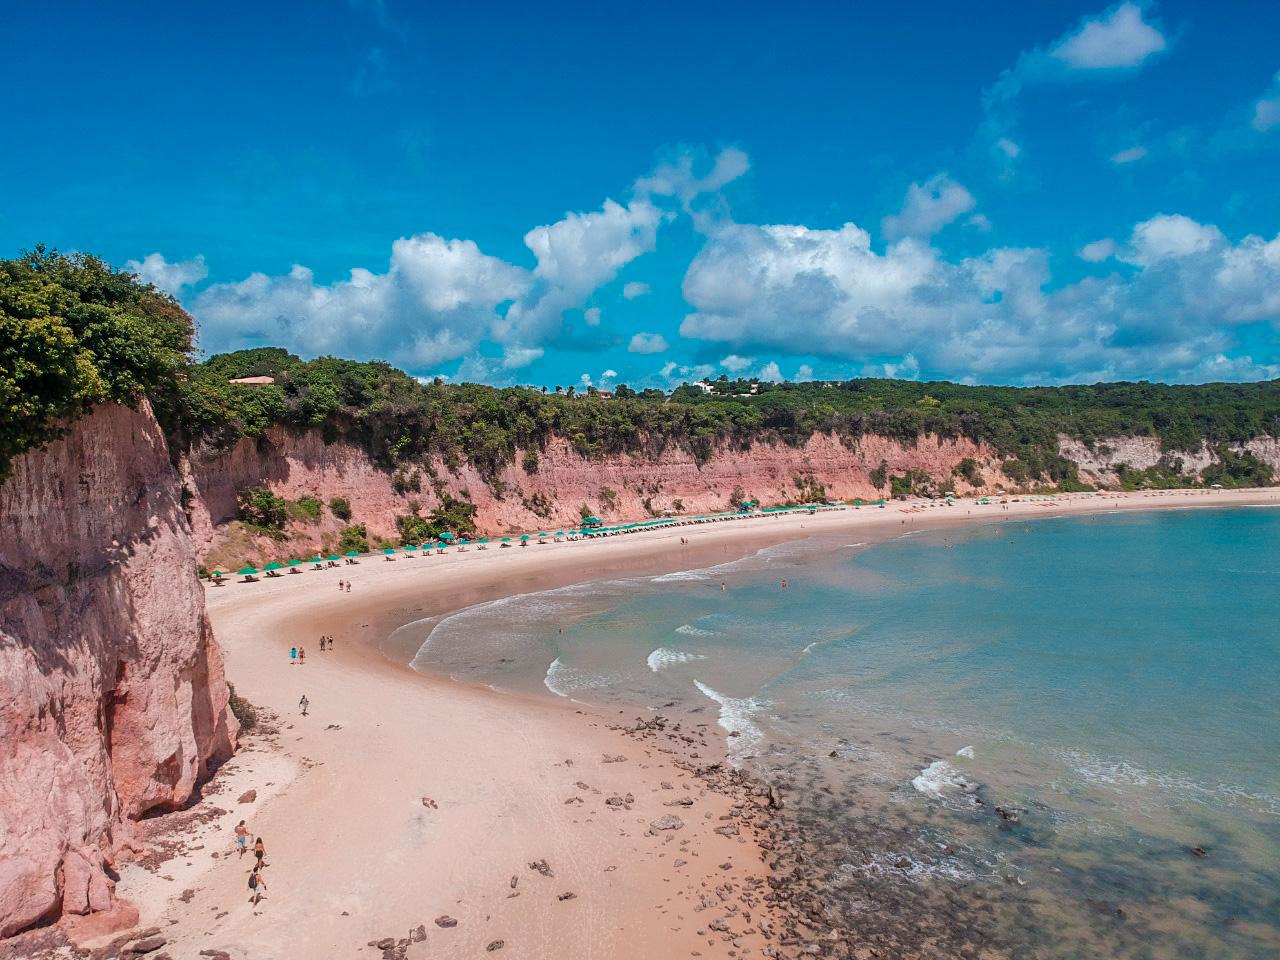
x,y
293,656
302,655
322,644
303,703
257,885
259,853
341,585
242,837
348,586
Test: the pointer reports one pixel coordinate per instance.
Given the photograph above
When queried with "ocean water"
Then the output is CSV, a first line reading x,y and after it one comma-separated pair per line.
x,y
1111,683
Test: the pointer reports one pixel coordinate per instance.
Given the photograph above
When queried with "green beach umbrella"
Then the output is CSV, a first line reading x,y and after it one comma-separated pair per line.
x,y
246,571
484,540
334,556
316,560
216,573
524,536
388,551
411,547
506,539
274,566
446,536
350,553
559,533
294,562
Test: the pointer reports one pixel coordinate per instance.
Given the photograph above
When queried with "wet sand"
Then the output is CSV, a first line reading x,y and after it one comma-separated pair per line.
x,y
402,798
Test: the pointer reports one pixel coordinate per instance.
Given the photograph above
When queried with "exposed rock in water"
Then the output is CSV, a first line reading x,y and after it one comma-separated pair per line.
x,y
112,696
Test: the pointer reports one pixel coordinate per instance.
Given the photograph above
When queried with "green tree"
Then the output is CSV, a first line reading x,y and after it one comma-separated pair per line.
x,y
340,507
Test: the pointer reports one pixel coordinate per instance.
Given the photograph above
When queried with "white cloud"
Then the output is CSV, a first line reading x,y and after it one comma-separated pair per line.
x,y
440,298
979,221
1266,112
1164,237
736,364
1130,155
169,277
647,343
432,305
804,373
928,207
1118,39
996,316
634,289
1098,251
771,372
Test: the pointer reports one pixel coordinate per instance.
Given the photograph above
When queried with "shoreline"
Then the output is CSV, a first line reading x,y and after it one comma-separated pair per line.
x,y
357,852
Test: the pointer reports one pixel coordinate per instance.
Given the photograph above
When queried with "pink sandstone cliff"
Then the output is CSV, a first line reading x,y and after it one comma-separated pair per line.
x,y
112,696
297,464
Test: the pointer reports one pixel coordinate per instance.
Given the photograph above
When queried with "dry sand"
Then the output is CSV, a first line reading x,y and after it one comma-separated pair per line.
x,y
401,798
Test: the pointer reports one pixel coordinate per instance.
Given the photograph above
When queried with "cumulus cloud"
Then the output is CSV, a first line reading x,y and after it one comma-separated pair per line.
x,y
433,304
439,299
928,207
647,343
1266,112
771,372
793,289
634,289
1117,40
172,278
1098,251
804,373
736,364
1130,155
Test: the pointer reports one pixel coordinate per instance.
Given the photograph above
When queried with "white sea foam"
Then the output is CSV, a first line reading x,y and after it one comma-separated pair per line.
x,y
966,752
565,681
810,647
939,779
737,715
664,657
689,630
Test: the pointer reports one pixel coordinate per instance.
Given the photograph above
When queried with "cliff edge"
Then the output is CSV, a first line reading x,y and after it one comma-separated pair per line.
x,y
112,695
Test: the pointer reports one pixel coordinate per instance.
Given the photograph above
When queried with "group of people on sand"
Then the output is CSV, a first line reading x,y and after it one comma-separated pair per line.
x,y
256,884
298,654
344,586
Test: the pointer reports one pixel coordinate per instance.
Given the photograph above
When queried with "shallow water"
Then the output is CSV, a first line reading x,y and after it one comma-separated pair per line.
x,y
1112,682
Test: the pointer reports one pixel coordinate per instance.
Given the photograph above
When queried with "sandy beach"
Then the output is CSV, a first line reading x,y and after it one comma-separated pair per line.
x,y
400,798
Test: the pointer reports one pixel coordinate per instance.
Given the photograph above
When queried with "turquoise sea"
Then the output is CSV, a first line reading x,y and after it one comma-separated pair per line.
x,y
1111,683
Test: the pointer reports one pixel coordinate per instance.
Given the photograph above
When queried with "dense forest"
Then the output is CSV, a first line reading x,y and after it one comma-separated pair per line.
x,y
75,332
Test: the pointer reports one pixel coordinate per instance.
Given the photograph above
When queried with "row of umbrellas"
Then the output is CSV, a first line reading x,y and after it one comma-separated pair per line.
x,y
591,526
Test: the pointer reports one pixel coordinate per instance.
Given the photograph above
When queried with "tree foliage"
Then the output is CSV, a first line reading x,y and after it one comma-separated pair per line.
x,y
74,332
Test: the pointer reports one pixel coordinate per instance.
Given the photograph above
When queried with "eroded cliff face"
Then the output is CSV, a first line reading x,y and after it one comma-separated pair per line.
x,y
630,487
1098,463
112,696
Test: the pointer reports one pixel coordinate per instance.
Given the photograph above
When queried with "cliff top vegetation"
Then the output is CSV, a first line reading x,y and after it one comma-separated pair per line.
x,y
75,332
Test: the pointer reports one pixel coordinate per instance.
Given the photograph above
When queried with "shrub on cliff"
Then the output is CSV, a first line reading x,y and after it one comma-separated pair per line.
x,y
261,508
74,332
340,507
353,538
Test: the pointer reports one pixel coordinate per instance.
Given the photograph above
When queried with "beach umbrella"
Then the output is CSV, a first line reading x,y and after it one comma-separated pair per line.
x,y
506,539
246,571
388,551
559,533
334,556
483,540
350,553
410,547
294,562
524,536
216,573
274,566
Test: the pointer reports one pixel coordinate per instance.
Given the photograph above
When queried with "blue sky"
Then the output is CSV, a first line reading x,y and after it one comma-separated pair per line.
x,y
999,193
